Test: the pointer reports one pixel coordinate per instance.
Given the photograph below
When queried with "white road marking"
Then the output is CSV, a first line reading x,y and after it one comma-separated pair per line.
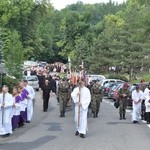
x,y
148,125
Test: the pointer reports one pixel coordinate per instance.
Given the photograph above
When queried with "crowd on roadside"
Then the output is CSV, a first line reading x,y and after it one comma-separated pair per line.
x,y
45,69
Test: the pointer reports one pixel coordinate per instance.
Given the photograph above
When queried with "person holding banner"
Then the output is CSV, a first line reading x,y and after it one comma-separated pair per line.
x,y
6,102
81,97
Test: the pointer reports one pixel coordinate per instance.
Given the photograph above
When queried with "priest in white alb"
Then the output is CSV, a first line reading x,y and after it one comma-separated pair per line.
x,y
30,98
81,97
147,103
137,97
6,102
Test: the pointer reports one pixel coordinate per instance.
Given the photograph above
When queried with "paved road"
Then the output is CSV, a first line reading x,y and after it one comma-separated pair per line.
x,y
49,131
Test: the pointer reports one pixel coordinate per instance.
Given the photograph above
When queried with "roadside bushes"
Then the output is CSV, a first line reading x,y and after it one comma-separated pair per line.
x,y
117,76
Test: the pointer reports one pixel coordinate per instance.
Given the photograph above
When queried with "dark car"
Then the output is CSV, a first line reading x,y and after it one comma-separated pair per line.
x,y
115,92
112,90
108,86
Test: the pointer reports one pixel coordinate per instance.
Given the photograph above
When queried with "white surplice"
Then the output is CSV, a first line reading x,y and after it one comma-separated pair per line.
x,y
85,99
31,96
136,107
16,109
147,99
6,112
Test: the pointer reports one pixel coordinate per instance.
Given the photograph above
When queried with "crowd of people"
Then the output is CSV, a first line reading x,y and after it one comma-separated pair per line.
x,y
140,102
45,69
90,96
16,108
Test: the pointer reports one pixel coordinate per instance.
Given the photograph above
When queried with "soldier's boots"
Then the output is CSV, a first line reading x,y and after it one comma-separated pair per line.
x,y
94,116
143,116
62,114
124,116
120,116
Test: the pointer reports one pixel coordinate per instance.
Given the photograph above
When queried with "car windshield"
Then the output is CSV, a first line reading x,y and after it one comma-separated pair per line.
x,y
107,85
119,86
119,81
32,78
114,87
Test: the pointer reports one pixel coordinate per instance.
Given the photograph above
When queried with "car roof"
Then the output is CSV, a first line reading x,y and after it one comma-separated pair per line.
x,y
26,77
97,76
112,79
116,80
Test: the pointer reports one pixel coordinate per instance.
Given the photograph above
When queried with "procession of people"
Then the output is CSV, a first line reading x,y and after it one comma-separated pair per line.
x,y
16,109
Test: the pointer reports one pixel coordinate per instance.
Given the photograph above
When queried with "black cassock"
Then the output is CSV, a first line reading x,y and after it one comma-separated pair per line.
x,y
41,80
46,95
53,85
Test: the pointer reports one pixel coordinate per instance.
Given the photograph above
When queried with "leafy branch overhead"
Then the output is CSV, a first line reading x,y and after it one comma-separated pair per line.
x,y
102,35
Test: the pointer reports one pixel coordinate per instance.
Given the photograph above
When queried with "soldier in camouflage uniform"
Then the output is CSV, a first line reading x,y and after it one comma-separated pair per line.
x,y
63,94
124,94
96,98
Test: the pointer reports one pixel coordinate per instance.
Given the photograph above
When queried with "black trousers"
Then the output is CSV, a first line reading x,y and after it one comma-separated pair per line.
x,y
45,102
143,113
148,117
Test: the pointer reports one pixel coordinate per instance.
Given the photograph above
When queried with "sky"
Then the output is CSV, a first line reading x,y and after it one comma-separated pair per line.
x,y
59,4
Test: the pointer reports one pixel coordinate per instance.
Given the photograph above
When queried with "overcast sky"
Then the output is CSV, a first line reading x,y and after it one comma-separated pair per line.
x,y
59,4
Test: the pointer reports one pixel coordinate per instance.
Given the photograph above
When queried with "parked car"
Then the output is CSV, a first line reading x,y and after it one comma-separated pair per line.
x,y
108,83
93,78
115,92
32,81
107,87
112,90
103,82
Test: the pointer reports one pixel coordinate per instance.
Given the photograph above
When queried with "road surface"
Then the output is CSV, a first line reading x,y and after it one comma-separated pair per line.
x,y
48,131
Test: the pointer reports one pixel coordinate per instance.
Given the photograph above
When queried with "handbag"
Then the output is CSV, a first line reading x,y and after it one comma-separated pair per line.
x,y
116,103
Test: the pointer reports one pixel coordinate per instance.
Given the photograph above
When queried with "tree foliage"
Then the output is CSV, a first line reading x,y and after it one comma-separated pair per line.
x,y
104,35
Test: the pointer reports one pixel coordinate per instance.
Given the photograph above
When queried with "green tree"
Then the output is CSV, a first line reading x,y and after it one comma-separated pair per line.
x,y
13,53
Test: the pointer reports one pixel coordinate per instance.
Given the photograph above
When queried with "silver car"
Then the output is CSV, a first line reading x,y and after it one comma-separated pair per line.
x,y
33,81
